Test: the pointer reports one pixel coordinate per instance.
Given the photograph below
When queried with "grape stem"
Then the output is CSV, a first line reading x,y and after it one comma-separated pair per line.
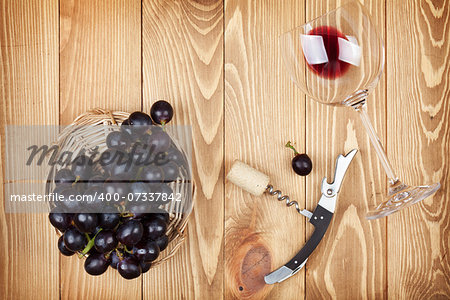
x,y
289,145
77,178
126,249
89,245
126,214
119,254
107,255
138,175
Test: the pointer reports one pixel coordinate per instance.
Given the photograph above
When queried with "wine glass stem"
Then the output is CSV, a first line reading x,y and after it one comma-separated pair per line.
x,y
362,110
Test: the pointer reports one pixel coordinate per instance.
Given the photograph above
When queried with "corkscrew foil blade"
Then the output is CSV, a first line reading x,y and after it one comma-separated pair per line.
x,y
306,213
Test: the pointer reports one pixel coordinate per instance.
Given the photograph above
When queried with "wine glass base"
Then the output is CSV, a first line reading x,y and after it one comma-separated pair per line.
x,y
400,197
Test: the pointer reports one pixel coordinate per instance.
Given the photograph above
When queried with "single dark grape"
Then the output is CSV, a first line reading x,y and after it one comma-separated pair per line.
x,y
145,137
175,155
140,121
82,167
140,209
74,240
129,268
162,242
145,266
171,171
85,222
117,185
302,164
146,251
61,221
164,191
154,228
105,241
108,220
64,177
118,140
115,162
126,127
152,174
62,247
58,205
114,259
124,169
161,214
141,154
59,188
156,128
96,264
139,187
93,200
97,180
161,112
139,118
111,157
67,202
158,142
130,232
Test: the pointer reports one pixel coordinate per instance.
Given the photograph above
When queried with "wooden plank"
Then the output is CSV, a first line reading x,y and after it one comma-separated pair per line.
x,y
100,56
100,66
29,95
183,64
418,70
232,88
350,262
263,110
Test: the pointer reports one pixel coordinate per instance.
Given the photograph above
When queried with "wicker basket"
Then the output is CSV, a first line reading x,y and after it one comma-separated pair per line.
x,y
78,136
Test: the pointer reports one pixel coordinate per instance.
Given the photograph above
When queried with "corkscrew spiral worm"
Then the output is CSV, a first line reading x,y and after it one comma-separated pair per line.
x,y
280,197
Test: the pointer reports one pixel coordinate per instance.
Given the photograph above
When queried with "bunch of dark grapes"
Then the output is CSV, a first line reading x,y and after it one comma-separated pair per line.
x,y
125,243
126,235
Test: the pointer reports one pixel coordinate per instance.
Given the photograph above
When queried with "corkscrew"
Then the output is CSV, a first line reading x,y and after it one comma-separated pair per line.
x,y
256,183
280,197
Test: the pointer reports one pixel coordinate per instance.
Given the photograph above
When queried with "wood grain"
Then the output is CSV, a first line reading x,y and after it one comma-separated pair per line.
x,y
29,96
183,64
263,110
100,56
350,262
418,98
100,66
219,64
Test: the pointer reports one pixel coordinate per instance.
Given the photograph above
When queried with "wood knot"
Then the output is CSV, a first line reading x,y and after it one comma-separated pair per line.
x,y
250,263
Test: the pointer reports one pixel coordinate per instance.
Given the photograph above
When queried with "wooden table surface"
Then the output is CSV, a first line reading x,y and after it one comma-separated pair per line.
x,y
219,64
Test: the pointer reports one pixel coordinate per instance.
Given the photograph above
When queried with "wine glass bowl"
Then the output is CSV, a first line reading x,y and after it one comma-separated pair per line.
x,y
341,51
337,59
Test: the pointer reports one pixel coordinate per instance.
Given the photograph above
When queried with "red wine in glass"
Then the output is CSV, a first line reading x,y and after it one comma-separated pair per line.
x,y
334,67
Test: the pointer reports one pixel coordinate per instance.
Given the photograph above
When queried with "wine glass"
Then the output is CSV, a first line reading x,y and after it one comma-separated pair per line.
x,y
337,59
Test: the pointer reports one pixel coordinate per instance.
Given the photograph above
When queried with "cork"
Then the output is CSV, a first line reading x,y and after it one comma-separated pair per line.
x,y
248,178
